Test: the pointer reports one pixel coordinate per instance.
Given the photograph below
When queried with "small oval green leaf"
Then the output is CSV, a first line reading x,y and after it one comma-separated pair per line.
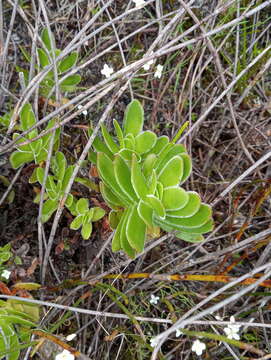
x,y
68,62
172,172
86,231
133,118
145,141
174,198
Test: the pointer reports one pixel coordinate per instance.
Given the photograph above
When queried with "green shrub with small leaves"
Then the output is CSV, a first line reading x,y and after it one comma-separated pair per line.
x,y
140,181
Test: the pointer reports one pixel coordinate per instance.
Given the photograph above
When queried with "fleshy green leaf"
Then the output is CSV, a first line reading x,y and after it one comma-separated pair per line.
x,y
152,183
127,154
187,166
77,222
59,165
129,142
113,200
40,174
100,146
138,180
68,62
145,212
71,80
195,221
174,198
148,164
203,229
171,173
190,209
116,241
67,177
136,230
133,118
106,172
112,146
114,219
170,151
145,141
86,231
43,58
125,245
98,213
19,158
82,206
156,205
123,177
48,39
49,207
119,133
69,201
27,117
160,144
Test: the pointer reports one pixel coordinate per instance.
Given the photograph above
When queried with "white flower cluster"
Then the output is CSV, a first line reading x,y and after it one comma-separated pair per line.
x,y
198,347
154,299
232,330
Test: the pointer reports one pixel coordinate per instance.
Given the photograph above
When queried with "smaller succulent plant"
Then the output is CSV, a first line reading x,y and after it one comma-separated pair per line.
x,y
55,185
140,180
85,216
37,150
45,57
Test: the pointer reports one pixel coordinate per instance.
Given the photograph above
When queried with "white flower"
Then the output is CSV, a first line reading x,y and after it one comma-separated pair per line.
x,y
5,274
158,72
107,71
178,333
139,3
84,112
153,342
148,65
71,337
198,347
232,330
218,317
154,299
65,355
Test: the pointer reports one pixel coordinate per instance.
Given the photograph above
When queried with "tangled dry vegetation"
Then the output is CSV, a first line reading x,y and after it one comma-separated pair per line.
x,y
216,58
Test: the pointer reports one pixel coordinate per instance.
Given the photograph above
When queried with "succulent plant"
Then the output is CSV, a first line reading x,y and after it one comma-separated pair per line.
x,y
140,177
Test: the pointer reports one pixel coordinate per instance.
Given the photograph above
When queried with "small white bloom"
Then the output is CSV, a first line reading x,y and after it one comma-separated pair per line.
x,y
6,274
71,337
139,3
178,333
218,317
107,71
65,355
84,112
148,65
158,72
154,299
232,330
198,347
153,342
